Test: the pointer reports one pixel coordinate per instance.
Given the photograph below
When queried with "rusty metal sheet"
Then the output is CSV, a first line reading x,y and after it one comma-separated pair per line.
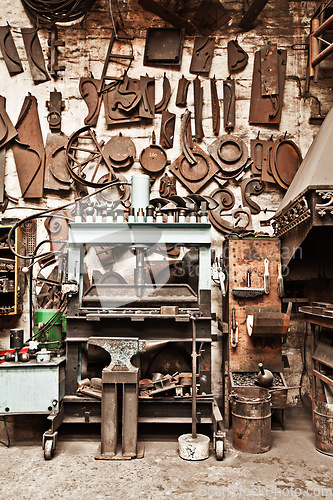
x,y
167,129
230,153
252,11
153,159
2,175
164,47
269,70
198,104
163,103
167,186
257,153
286,160
55,105
56,173
267,109
120,151
237,57
54,43
229,104
35,55
254,186
226,201
215,106
7,129
202,55
181,97
194,177
88,91
266,173
210,16
9,51
121,101
168,15
147,103
28,150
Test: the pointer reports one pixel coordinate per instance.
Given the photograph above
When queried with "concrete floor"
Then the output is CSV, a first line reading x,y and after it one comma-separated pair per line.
x,y
291,469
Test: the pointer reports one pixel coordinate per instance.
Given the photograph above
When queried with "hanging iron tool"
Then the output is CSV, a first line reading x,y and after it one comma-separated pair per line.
x,y
168,15
9,51
34,55
153,159
286,160
210,16
167,129
198,104
268,82
234,330
54,43
267,173
181,97
2,176
252,10
55,105
163,104
147,103
242,219
215,106
164,47
230,154
251,185
28,150
56,173
186,141
226,201
229,104
202,55
237,57
121,101
257,150
167,186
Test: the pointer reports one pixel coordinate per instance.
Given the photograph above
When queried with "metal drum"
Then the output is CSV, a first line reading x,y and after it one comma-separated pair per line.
x,y
251,419
323,424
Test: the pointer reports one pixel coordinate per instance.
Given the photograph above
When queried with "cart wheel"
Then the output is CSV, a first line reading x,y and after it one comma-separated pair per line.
x,y
48,449
219,449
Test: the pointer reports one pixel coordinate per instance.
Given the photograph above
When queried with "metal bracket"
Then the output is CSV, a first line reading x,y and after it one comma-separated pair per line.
x,y
34,55
9,51
54,43
55,105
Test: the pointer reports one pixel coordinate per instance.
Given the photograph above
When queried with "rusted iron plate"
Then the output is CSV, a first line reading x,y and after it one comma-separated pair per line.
x,y
56,172
121,151
88,91
55,105
203,170
230,154
167,186
9,51
153,159
286,159
210,16
266,173
198,104
34,55
257,154
2,175
237,57
202,55
121,101
254,186
164,47
242,219
163,103
229,104
226,200
168,15
267,109
114,193
53,53
269,70
28,150
186,137
252,12
167,129
182,89
147,103
215,106
7,129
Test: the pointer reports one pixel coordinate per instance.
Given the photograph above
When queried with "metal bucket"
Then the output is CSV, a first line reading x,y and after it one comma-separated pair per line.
x,y
323,424
251,419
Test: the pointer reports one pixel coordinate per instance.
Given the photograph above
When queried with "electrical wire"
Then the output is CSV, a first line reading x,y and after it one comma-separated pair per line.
x,y
6,429
48,12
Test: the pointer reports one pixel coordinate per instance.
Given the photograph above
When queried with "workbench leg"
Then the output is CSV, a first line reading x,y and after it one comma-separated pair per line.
x,y
72,362
130,420
109,425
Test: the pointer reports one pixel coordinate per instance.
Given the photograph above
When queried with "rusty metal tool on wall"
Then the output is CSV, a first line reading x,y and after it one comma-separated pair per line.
x,y
229,104
56,173
7,129
198,104
215,106
252,10
181,97
167,129
88,91
202,55
237,57
55,105
147,103
168,15
54,43
164,47
163,103
28,150
34,55
210,16
9,51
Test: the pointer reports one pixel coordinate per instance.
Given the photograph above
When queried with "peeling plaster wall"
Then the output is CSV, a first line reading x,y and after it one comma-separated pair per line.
x,y
283,22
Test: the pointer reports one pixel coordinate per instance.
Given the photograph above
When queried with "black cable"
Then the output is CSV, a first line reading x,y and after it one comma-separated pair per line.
x,y
48,12
8,438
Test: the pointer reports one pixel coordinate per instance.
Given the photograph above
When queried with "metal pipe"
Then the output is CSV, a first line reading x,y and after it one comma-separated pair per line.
x,y
323,27
194,378
322,55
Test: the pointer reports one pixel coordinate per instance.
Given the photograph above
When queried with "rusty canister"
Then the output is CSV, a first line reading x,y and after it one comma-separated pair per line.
x,y
323,424
251,419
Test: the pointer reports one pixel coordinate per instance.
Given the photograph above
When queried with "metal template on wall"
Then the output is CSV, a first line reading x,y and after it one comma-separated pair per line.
x,y
9,51
237,57
202,55
35,55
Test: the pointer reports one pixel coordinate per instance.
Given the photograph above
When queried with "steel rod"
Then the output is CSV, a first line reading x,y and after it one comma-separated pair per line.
x,y
194,378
